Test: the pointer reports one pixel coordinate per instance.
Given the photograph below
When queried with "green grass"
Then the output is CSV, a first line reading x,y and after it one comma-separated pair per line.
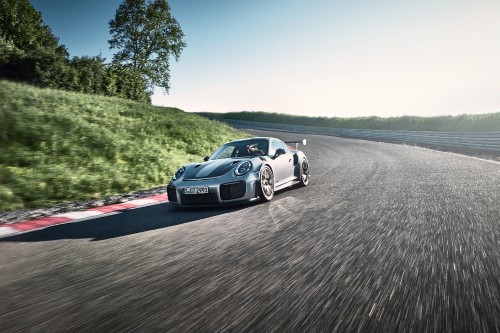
x,y
464,123
58,146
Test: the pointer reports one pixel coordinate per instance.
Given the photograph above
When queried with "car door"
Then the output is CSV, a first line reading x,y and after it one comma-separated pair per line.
x,y
283,164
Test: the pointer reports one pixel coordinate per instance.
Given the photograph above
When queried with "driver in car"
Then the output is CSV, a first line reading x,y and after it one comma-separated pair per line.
x,y
254,149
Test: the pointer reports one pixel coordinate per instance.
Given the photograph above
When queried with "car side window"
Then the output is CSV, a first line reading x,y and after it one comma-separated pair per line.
x,y
274,146
283,146
277,144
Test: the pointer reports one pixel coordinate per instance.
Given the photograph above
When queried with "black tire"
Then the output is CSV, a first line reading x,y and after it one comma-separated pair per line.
x,y
266,184
304,173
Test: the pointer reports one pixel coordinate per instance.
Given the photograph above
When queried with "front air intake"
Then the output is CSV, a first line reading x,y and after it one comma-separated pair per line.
x,y
231,191
172,193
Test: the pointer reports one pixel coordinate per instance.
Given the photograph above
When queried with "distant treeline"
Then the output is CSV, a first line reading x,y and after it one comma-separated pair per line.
x,y
30,53
489,122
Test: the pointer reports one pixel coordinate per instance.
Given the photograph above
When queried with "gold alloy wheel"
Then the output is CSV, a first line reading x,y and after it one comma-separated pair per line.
x,y
267,184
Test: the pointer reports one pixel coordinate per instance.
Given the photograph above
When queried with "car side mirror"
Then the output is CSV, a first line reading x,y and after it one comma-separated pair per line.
x,y
279,152
206,158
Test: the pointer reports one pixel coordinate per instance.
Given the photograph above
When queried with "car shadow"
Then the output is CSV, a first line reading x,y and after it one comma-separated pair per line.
x,y
123,223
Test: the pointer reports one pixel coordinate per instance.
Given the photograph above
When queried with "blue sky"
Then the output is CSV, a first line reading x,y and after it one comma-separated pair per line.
x,y
323,57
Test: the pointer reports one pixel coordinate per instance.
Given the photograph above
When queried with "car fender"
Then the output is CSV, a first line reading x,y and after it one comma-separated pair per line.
x,y
265,164
299,156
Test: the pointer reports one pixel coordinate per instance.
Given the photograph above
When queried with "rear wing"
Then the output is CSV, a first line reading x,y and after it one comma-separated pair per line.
x,y
304,142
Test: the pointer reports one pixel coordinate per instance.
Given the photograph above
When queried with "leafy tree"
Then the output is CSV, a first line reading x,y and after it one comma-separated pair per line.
x,y
51,70
126,82
29,52
146,35
22,24
91,73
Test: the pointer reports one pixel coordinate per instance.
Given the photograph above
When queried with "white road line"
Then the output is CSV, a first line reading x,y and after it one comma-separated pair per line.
x,y
5,231
80,215
141,202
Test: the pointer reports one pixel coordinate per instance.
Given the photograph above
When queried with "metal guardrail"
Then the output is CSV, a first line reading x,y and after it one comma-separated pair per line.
x,y
485,141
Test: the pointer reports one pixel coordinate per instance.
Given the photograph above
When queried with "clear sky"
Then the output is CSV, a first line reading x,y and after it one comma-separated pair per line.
x,y
321,57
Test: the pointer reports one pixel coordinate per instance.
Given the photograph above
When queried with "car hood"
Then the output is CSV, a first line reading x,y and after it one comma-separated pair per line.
x,y
214,168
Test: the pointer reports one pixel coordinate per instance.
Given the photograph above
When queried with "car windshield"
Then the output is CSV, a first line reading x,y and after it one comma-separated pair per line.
x,y
247,148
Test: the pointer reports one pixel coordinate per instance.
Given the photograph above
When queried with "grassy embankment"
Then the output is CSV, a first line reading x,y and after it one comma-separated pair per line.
x,y
464,123
58,146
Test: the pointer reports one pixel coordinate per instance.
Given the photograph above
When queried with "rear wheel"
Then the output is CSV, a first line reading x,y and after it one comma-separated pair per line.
x,y
266,184
304,173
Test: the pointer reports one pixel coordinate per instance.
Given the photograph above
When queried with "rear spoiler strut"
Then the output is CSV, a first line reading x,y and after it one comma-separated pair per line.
x,y
304,142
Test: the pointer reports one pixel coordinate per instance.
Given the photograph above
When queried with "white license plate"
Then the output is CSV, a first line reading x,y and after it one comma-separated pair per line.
x,y
195,190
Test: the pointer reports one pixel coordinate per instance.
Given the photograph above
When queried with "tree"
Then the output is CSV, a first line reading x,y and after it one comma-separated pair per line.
x,y
146,35
91,72
22,24
126,83
30,53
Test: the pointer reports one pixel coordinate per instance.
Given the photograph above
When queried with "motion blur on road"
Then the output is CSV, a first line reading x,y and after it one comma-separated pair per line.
x,y
385,238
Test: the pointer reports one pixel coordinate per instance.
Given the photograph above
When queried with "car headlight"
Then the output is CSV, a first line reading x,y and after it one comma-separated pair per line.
x,y
243,168
178,173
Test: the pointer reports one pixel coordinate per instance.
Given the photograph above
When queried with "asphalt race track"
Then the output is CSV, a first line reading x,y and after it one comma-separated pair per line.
x,y
385,238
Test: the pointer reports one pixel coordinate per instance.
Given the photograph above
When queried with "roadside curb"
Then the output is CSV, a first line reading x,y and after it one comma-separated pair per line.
x,y
7,230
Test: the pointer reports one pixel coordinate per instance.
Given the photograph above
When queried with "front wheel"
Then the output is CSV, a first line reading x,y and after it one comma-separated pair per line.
x,y
266,184
304,173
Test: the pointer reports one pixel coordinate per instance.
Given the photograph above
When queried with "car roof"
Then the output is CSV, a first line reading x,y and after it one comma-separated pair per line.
x,y
254,138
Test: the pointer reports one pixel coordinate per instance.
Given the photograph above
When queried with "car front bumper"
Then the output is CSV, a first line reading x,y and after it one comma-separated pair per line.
x,y
221,191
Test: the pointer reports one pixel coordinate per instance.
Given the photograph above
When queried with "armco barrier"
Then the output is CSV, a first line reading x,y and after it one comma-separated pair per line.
x,y
484,141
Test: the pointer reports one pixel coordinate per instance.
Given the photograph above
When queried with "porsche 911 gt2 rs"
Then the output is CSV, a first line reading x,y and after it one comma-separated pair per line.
x,y
240,171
